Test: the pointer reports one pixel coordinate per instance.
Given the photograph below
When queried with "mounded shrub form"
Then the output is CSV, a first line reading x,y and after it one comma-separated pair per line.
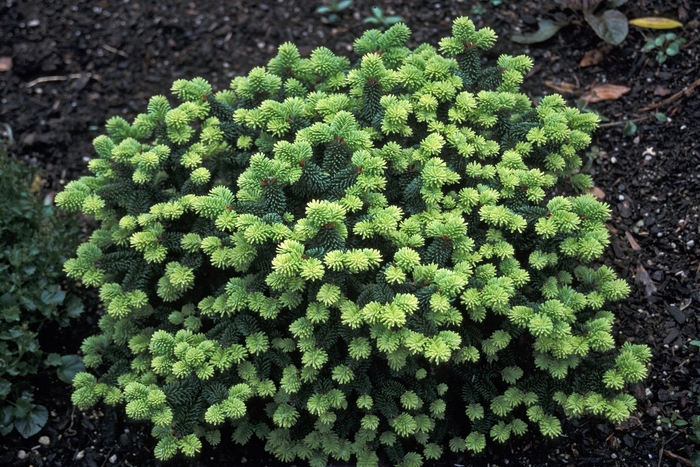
x,y
352,261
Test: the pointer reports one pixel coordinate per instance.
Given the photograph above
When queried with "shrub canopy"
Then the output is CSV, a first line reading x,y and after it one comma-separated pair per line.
x,y
352,260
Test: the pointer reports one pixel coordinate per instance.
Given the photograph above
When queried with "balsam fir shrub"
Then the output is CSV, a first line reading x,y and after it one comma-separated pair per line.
x,y
352,261
34,243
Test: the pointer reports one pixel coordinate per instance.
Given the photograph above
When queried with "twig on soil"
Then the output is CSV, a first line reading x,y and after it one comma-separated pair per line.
x,y
70,430
623,122
47,79
663,451
109,48
685,91
679,458
107,456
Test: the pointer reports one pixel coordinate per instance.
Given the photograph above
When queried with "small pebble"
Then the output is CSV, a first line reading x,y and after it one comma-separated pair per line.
x,y
690,243
44,440
112,458
22,454
80,455
33,23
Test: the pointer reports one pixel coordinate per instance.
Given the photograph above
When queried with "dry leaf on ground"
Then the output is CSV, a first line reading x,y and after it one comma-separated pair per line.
x,y
633,243
661,91
605,92
594,57
598,193
5,63
563,87
642,278
656,23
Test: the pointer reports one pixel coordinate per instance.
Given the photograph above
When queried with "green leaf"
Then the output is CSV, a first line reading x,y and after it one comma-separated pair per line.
x,y
52,297
629,129
393,19
10,310
377,12
546,29
5,386
31,419
611,26
53,359
6,425
28,303
673,49
661,117
74,307
649,45
69,367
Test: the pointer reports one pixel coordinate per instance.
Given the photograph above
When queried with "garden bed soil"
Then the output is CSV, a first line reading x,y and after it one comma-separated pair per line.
x,y
69,66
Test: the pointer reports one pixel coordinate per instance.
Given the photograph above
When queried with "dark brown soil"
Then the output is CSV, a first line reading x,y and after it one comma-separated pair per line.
x,y
75,64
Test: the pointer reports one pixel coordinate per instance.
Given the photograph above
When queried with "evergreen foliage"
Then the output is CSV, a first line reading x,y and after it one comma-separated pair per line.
x,y
352,261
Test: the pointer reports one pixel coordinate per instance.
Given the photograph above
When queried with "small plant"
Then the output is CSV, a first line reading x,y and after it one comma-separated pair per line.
x,y
594,156
34,243
333,8
668,45
479,8
611,25
380,20
674,421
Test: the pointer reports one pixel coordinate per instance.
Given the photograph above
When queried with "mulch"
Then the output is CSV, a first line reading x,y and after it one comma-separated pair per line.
x,y
75,64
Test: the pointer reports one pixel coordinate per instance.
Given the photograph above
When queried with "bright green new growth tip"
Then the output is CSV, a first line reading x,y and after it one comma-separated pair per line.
x,y
352,261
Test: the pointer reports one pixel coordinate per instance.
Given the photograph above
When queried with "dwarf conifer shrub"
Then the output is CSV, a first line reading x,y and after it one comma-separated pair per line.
x,y
352,261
